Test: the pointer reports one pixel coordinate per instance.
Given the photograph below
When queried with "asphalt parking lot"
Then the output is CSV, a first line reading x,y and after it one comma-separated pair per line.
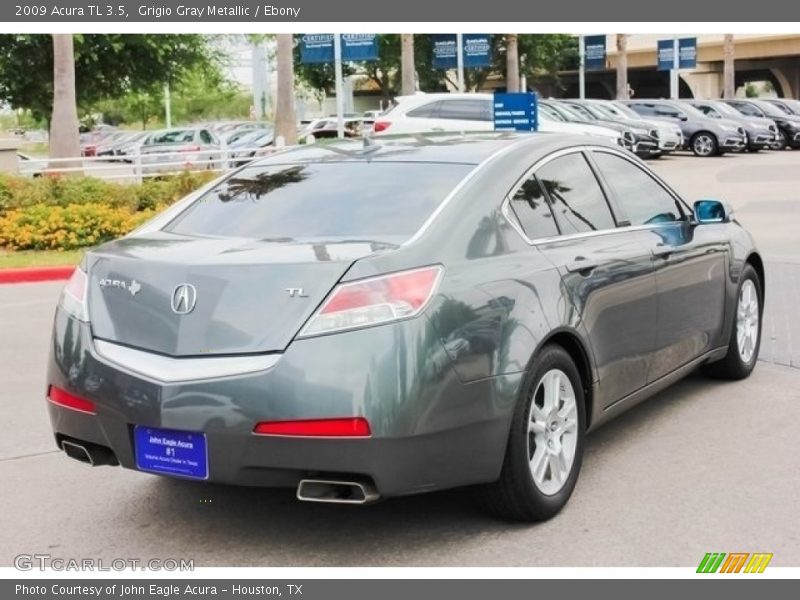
x,y
703,467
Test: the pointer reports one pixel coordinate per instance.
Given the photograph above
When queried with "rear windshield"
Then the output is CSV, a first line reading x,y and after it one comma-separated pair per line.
x,y
381,201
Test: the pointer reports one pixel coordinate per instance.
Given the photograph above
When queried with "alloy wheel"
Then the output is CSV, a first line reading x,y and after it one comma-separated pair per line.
x,y
747,316
703,145
552,431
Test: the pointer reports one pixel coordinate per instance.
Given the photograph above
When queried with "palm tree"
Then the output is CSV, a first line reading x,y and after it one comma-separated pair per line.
x,y
407,63
622,66
285,120
512,63
64,139
728,70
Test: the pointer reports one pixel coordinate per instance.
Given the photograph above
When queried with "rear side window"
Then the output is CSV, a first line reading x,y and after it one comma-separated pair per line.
x,y
205,136
466,110
530,205
427,111
643,199
577,199
383,201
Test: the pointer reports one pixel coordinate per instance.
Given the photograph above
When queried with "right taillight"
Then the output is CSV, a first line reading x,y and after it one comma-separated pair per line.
x,y
381,126
375,301
73,297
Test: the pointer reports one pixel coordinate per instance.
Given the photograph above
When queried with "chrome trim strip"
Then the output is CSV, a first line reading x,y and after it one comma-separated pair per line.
x,y
167,369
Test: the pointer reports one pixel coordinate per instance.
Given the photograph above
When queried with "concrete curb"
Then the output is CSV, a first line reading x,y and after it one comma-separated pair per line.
x,y
33,274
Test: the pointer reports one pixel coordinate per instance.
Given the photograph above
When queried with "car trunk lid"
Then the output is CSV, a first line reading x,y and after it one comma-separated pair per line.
x,y
240,296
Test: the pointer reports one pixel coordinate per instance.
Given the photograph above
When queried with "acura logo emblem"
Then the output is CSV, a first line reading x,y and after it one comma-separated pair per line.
x,y
184,298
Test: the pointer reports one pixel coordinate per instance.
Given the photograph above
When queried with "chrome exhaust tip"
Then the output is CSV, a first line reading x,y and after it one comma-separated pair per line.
x,y
336,492
77,451
88,453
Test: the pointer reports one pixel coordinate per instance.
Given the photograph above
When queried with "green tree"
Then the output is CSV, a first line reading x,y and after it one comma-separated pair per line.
x,y
542,56
106,66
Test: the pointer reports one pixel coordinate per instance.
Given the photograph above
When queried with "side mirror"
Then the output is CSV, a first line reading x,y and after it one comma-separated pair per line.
x,y
710,211
683,118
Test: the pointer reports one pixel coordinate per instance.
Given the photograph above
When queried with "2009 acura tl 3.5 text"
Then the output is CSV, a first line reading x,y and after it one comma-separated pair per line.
x,y
365,321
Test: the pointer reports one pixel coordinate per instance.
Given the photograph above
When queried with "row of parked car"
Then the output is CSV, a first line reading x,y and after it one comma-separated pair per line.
x,y
199,144
649,128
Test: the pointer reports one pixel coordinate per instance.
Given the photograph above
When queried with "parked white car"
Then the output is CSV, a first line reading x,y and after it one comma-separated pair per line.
x,y
463,112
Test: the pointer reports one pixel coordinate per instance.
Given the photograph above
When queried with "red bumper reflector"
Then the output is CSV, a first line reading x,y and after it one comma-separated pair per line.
x,y
351,427
67,400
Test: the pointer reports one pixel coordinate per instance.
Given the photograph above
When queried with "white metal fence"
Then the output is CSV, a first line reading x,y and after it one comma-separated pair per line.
x,y
139,166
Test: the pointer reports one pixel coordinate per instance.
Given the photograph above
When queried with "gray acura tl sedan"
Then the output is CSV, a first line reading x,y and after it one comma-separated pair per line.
x,y
360,321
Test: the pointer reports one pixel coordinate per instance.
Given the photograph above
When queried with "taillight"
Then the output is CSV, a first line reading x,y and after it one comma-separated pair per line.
x,y
63,398
374,301
381,126
347,427
73,297
189,149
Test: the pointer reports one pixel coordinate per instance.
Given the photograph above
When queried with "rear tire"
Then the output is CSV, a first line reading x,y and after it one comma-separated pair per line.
x,y
745,340
545,445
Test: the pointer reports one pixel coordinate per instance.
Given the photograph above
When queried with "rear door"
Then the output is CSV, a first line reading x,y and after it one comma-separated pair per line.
x,y
606,271
689,262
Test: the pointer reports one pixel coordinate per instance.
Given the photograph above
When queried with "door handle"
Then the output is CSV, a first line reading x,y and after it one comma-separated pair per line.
x,y
582,265
663,250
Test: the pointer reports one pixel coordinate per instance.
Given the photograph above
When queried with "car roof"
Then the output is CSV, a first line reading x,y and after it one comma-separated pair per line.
x,y
468,148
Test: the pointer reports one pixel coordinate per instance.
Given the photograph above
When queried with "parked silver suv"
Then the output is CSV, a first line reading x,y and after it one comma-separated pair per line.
x,y
703,135
760,132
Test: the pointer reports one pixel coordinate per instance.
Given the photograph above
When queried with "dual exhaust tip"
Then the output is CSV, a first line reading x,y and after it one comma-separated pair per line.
x,y
337,492
330,491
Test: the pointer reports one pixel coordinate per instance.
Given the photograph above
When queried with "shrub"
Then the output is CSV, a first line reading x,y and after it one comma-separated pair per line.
x,y
20,192
66,213
43,227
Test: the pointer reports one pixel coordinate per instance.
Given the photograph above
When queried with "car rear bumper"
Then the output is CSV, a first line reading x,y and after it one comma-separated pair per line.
x,y
428,429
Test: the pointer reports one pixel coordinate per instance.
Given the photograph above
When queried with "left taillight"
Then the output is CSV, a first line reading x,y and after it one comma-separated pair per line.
x,y
374,301
73,297
63,398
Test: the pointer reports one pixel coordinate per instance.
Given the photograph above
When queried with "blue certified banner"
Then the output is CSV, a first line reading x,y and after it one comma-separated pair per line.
x,y
594,57
687,53
359,46
477,50
518,111
666,55
445,51
316,48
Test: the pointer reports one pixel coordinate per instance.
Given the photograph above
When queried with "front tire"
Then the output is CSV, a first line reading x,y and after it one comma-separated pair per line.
x,y
704,144
545,445
745,340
